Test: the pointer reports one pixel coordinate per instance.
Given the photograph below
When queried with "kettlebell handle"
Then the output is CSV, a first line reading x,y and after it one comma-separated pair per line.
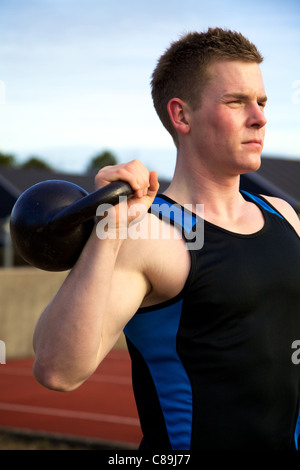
x,y
85,208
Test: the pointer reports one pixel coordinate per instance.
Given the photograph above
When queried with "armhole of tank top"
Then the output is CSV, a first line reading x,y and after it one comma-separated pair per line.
x,y
271,206
262,202
273,209
187,283
180,294
280,214
193,220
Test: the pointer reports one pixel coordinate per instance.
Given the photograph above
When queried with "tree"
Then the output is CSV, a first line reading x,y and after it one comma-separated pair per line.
x,y
7,160
101,160
36,163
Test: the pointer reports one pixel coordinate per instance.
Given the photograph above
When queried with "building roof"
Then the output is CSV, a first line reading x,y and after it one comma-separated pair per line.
x,y
13,182
278,177
21,179
283,173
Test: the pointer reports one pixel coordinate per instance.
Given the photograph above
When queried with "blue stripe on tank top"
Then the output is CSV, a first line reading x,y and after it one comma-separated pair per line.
x,y
186,219
174,212
154,335
262,203
297,432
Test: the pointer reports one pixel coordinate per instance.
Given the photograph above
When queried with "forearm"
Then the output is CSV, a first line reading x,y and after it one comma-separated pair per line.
x,y
68,336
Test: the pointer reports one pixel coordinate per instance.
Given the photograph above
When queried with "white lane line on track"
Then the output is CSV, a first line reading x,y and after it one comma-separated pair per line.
x,y
69,414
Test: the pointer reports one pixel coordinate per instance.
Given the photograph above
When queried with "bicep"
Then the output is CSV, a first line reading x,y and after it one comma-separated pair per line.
x,y
128,289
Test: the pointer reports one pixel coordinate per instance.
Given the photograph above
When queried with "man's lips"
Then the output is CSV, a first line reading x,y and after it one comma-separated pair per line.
x,y
254,142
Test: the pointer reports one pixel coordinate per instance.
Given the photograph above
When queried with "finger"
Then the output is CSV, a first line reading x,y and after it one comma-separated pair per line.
x,y
152,189
134,173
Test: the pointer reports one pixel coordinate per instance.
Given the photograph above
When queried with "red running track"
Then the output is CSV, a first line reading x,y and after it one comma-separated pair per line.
x,y
102,409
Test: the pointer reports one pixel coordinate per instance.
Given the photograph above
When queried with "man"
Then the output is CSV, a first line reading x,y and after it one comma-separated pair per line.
x,y
209,328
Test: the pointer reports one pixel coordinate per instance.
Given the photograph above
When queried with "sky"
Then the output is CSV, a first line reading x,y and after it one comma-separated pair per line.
x,y
75,75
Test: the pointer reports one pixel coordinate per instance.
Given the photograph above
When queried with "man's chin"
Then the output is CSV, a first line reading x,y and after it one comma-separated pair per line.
x,y
253,164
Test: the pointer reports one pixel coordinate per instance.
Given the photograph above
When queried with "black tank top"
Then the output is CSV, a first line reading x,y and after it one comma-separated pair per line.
x,y
212,368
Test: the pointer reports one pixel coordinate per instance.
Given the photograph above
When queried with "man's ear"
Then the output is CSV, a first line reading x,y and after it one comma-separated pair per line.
x,y
179,115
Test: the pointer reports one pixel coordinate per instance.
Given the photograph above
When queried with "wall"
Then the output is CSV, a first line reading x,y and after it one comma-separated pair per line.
x,y
24,293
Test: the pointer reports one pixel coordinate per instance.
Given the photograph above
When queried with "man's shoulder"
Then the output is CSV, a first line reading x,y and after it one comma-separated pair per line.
x,y
286,210
160,254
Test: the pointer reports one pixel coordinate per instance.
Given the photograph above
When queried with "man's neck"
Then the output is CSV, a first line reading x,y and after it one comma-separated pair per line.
x,y
193,183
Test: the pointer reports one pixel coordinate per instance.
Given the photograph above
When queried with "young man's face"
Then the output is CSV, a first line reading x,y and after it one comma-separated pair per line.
x,y
228,129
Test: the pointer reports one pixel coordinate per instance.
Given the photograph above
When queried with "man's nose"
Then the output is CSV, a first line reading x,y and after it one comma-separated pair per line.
x,y
256,117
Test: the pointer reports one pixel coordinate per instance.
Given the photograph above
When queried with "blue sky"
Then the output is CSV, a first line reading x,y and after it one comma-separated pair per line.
x,y
75,75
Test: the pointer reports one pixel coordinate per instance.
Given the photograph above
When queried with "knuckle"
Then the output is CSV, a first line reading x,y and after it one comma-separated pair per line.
x,y
135,161
132,165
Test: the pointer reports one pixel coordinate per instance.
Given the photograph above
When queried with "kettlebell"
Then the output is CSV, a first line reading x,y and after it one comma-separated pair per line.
x,y
52,220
